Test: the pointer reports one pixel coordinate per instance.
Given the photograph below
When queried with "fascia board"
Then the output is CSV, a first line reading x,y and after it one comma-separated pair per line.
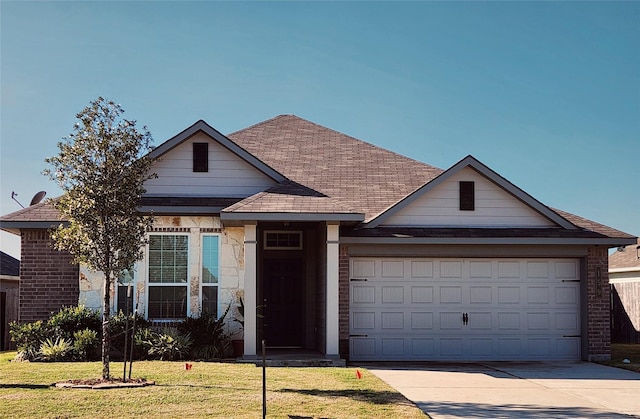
x,y
222,140
484,170
12,226
609,242
289,216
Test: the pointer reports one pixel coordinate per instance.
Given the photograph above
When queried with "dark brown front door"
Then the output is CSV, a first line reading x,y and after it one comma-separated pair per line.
x,y
283,286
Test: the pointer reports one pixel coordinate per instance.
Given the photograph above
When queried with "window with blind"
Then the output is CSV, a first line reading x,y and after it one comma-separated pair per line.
x,y
210,273
168,276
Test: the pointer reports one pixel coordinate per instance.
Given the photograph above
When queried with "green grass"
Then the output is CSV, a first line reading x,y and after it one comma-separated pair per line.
x,y
225,390
620,351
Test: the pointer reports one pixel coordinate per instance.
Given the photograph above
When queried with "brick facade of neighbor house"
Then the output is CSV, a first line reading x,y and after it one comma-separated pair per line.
x,y
48,279
599,304
343,275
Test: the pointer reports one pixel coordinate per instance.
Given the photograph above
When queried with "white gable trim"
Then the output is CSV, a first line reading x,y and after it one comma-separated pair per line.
x,y
484,170
222,140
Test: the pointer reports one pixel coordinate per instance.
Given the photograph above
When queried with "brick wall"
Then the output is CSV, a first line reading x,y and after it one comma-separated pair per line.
x,y
598,305
343,304
48,279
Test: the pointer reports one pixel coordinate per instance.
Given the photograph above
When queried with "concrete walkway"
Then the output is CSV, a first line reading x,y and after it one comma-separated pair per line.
x,y
516,390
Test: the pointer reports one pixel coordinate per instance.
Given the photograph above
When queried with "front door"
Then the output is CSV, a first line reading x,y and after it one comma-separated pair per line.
x,y
283,292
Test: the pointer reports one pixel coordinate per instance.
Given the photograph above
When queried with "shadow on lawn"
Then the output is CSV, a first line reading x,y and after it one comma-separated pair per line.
x,y
29,386
369,396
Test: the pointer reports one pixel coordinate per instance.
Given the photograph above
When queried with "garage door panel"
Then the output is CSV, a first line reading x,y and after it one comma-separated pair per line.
x,y
421,294
421,321
393,294
363,294
517,309
480,320
421,269
451,294
481,294
392,321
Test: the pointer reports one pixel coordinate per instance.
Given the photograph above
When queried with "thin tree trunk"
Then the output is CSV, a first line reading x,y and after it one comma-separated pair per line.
x,y
106,338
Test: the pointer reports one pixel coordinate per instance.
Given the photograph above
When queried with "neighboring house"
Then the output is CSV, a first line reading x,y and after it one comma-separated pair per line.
x,y
9,283
624,277
349,250
9,272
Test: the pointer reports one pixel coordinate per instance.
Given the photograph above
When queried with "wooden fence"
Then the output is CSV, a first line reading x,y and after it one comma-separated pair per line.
x,y
9,303
625,312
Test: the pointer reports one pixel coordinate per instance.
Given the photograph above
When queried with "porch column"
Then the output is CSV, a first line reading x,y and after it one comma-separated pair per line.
x,y
333,296
250,290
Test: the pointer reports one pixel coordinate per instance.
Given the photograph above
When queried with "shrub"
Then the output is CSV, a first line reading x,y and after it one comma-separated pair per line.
x,y
85,344
28,337
69,320
209,338
57,350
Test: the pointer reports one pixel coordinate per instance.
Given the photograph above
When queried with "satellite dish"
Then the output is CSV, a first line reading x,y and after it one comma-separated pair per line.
x,y
37,198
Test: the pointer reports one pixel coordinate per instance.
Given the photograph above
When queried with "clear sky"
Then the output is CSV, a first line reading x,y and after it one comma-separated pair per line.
x,y
545,93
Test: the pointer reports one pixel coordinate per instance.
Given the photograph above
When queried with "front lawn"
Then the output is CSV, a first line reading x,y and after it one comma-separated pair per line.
x,y
209,389
622,351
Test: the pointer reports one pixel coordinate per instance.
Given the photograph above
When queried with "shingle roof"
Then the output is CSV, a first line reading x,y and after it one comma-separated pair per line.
x,y
327,172
592,225
9,265
43,211
359,175
627,257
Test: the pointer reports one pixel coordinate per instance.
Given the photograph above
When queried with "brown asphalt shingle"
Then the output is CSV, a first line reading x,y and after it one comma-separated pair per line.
x,y
358,174
629,257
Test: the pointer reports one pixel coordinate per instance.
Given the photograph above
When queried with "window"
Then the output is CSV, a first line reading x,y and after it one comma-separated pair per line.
x,y
168,273
200,157
210,273
467,196
283,240
123,303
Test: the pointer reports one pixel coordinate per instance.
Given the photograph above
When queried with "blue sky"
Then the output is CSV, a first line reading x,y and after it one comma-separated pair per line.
x,y
547,94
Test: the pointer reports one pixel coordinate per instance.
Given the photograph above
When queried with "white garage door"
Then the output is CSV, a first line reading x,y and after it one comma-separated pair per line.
x,y
464,309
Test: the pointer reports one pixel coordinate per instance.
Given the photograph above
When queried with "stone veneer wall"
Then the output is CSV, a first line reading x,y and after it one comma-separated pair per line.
x,y
48,278
231,285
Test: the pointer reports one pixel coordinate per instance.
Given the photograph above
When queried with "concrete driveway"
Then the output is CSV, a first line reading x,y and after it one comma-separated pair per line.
x,y
533,390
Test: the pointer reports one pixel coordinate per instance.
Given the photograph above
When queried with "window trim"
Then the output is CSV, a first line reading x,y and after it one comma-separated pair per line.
x,y
265,246
149,284
202,283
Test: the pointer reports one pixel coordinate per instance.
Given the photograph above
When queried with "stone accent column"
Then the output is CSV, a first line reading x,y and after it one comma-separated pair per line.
x,y
250,290
333,296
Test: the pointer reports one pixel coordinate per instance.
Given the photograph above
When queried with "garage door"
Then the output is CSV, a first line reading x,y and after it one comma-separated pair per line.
x,y
464,309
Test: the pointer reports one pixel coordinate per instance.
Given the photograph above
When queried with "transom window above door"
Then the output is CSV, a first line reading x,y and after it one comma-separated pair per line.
x,y
282,240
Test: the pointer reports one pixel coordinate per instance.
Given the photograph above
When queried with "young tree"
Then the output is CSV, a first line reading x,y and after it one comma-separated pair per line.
x,y
101,168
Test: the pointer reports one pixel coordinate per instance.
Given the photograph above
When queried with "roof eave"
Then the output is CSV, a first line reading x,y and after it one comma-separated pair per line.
x,y
607,241
290,216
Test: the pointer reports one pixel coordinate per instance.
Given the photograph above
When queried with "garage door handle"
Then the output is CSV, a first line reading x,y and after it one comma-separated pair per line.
x,y
359,279
465,318
358,336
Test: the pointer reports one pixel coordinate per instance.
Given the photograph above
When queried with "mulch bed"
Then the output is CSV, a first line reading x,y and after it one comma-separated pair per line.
x,y
102,384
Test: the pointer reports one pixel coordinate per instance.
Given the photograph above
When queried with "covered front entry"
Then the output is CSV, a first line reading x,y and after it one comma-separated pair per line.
x,y
464,309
